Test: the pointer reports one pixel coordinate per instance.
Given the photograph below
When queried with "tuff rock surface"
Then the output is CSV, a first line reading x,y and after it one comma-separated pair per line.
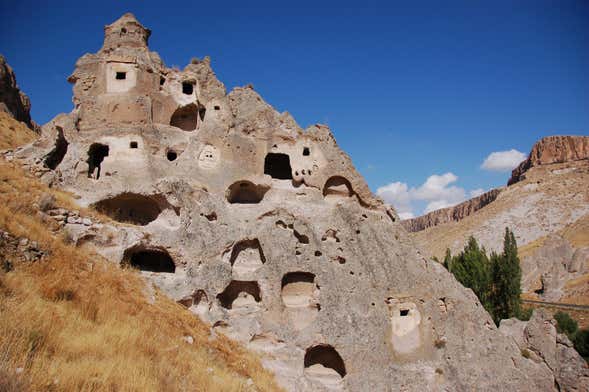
x,y
262,229
12,100
539,340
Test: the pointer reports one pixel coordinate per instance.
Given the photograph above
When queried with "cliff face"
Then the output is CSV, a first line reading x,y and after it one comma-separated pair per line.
x,y
12,100
552,149
451,214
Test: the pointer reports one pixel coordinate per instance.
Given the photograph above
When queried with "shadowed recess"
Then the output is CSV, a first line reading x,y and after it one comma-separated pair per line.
x,y
326,356
150,259
278,166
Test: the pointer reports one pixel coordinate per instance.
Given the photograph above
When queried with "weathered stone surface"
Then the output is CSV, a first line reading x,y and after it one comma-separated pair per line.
x,y
12,100
264,230
15,250
451,214
553,149
538,340
551,266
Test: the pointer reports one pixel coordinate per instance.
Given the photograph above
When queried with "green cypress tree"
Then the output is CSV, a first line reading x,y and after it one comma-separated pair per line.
x,y
506,276
472,268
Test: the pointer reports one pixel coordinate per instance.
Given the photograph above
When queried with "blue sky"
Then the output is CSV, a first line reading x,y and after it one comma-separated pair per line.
x,y
410,91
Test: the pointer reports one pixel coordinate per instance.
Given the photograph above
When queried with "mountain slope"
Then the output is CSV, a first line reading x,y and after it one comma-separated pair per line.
x,y
547,208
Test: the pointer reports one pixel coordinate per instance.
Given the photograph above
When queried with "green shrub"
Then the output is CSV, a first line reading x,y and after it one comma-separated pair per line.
x,y
525,314
565,323
581,342
496,280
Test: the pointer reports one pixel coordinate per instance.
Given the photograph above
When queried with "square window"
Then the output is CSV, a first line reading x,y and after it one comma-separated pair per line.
x,y
187,88
121,76
404,312
133,145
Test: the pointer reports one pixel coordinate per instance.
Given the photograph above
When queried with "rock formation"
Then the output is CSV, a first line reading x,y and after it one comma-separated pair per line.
x,y
539,341
451,214
12,100
264,230
552,149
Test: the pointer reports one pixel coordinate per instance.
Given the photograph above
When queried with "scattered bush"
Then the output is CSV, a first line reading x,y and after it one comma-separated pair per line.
x,y
565,324
525,314
581,342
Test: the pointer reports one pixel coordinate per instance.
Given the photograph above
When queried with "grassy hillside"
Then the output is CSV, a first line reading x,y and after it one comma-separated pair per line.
x,y
13,133
74,321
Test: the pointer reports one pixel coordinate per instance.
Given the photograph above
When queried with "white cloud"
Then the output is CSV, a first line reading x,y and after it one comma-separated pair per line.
x,y
503,160
476,192
437,191
406,215
436,205
397,194
436,188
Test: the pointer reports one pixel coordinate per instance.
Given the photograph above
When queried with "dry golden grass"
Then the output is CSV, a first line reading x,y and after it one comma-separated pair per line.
x,y
76,322
14,133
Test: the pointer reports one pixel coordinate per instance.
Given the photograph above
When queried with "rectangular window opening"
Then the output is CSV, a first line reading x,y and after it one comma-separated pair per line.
x,y
187,88
404,312
121,76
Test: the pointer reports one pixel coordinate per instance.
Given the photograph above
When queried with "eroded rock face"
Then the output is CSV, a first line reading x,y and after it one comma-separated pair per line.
x,y
451,214
551,266
264,230
540,343
553,149
12,100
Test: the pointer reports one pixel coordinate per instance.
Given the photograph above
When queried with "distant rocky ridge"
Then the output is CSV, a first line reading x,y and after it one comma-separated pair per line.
x,y
552,149
546,204
12,100
548,150
451,214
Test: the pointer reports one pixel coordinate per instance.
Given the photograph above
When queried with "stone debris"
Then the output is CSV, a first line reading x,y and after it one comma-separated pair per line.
x,y
17,250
